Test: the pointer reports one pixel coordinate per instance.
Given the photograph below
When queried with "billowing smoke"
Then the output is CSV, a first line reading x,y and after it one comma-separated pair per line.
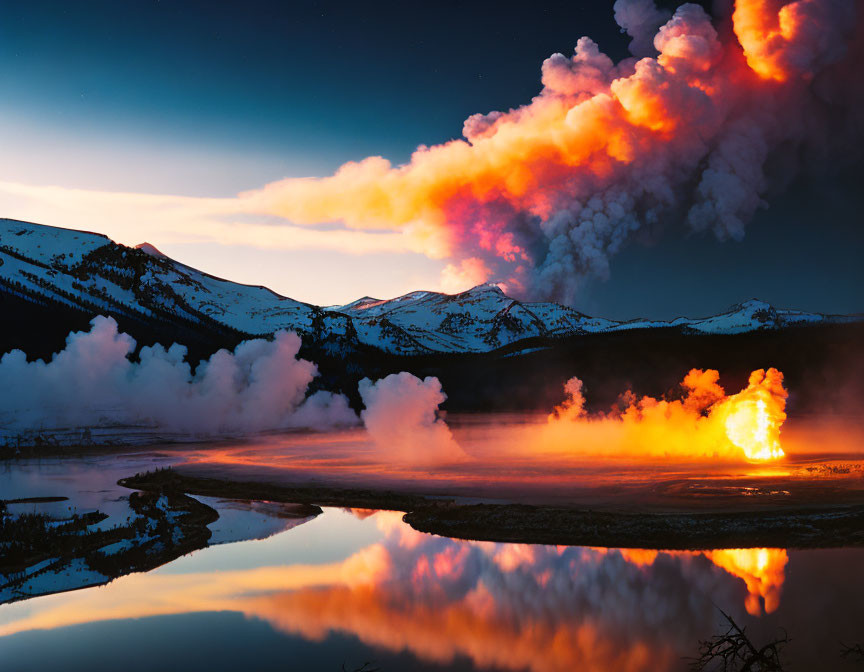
x,y
262,385
402,419
640,19
541,196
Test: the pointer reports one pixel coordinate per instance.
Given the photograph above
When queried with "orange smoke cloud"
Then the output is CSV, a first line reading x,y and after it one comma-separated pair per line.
x,y
706,422
460,277
542,195
784,39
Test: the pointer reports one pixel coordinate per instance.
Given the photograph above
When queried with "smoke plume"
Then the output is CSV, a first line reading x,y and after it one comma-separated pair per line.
x,y
401,417
640,19
541,196
91,383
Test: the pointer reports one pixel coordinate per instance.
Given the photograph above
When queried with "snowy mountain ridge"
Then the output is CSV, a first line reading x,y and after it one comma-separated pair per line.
x,y
89,271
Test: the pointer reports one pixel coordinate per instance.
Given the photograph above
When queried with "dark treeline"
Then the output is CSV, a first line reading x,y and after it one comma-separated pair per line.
x,y
823,364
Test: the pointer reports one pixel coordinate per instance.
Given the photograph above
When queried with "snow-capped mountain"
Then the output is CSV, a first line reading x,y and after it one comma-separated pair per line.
x,y
89,272
478,320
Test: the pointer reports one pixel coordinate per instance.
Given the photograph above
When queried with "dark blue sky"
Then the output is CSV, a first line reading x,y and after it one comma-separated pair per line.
x,y
212,98
308,84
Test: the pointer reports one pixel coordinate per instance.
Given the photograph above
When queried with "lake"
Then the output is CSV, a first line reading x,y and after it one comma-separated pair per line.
x,y
354,586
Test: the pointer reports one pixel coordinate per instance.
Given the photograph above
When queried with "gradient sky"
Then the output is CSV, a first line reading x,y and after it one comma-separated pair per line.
x,y
204,100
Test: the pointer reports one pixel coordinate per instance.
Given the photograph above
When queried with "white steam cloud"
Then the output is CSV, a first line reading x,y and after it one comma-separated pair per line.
x,y
262,385
402,419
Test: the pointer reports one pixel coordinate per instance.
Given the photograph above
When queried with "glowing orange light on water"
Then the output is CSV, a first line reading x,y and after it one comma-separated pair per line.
x,y
763,572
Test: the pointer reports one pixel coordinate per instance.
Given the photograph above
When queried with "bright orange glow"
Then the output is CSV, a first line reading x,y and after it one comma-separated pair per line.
x,y
750,427
754,416
572,155
757,27
762,570
705,423
773,35
639,556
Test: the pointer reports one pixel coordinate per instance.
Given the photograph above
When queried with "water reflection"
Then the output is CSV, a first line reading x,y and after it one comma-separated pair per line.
x,y
762,570
507,606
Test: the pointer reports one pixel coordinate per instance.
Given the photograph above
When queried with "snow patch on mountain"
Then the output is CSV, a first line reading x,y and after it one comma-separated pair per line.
x,y
751,315
48,244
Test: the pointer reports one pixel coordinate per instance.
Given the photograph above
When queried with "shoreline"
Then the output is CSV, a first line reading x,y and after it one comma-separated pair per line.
x,y
167,526
796,525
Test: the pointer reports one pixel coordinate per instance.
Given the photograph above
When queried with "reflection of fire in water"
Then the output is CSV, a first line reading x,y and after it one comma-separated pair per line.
x,y
705,423
762,570
502,605
518,606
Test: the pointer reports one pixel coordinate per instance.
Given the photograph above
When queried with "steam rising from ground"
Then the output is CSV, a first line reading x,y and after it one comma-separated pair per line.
x,y
402,419
706,422
543,195
261,385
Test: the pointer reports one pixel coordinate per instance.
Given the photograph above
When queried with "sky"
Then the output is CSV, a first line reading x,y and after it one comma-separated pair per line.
x,y
146,120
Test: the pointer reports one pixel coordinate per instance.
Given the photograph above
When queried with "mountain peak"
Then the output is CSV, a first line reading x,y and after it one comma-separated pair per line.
x,y
359,304
486,287
752,304
150,250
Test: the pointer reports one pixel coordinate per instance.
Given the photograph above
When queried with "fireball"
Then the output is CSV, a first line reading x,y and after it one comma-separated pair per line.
x,y
753,416
706,423
751,428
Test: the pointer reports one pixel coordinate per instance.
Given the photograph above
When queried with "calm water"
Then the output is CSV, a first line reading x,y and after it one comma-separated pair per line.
x,y
355,586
